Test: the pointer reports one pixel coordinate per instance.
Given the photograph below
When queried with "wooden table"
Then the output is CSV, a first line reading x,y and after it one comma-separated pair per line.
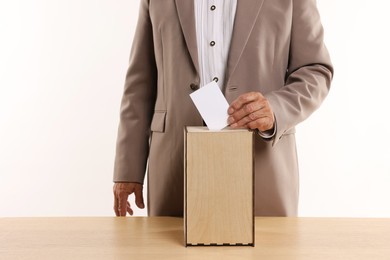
x,y
162,238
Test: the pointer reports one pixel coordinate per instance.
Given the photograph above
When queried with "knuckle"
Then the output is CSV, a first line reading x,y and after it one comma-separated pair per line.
x,y
258,95
236,105
252,116
248,108
247,97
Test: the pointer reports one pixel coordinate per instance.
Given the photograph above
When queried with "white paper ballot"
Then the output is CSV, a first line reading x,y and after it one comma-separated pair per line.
x,y
212,105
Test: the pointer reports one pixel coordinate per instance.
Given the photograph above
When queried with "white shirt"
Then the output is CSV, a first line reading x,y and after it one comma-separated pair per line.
x,y
214,21
214,27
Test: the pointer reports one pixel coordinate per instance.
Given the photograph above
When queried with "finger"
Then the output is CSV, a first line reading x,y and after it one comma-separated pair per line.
x,y
244,99
116,207
128,209
123,196
249,118
116,204
139,198
245,111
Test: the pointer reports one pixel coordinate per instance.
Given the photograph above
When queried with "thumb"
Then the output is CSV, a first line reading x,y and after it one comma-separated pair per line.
x,y
139,198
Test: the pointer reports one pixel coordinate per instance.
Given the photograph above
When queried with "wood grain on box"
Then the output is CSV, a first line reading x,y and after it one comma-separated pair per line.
x,y
219,187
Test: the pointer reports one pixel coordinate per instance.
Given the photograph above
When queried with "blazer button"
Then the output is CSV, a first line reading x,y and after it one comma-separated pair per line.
x,y
194,86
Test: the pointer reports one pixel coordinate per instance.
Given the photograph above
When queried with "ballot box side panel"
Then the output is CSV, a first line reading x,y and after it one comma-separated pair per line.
x,y
219,188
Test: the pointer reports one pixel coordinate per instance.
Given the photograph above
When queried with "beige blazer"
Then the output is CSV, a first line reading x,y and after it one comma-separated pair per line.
x,y
277,49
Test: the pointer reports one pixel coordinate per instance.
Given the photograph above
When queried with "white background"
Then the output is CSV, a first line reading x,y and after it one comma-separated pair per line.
x,y
62,69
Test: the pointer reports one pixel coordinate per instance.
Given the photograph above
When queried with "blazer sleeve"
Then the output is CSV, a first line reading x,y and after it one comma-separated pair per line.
x,y
309,73
136,109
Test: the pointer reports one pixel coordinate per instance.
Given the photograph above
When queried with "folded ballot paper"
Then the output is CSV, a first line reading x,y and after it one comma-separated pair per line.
x,y
212,106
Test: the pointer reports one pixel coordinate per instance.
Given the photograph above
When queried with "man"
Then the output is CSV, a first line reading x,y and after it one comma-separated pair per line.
x,y
270,61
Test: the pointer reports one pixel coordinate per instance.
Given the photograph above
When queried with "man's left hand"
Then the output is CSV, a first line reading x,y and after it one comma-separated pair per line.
x,y
251,110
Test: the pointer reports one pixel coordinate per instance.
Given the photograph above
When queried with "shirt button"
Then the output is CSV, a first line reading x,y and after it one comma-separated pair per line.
x,y
212,43
216,79
194,86
212,8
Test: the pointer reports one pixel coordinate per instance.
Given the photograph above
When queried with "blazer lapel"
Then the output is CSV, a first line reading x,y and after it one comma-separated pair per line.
x,y
246,16
186,13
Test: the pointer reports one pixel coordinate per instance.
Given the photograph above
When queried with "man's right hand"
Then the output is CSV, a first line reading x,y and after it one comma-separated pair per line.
x,y
122,190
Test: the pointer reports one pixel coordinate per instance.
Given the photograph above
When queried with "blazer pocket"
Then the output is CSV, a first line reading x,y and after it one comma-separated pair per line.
x,y
158,121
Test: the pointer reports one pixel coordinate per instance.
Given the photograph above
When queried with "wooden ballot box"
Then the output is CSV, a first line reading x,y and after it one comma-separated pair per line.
x,y
219,187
